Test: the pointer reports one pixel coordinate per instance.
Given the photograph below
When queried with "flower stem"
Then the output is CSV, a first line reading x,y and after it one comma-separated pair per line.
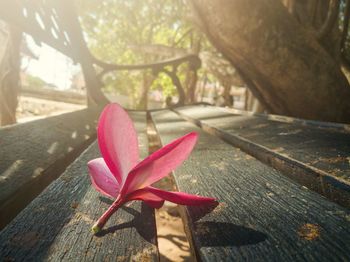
x,y
104,218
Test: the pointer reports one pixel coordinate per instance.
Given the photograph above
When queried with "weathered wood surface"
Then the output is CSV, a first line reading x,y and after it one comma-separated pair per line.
x,y
33,154
316,156
56,225
262,213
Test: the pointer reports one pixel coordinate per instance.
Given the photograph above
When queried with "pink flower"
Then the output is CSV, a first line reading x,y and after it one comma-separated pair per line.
x,y
120,175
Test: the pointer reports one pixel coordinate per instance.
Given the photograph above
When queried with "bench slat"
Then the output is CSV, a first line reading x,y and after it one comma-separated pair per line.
x,y
56,225
314,156
262,214
33,154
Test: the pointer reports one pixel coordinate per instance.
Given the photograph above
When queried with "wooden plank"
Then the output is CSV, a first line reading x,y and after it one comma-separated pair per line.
x,y
33,154
262,215
316,156
289,119
54,95
57,224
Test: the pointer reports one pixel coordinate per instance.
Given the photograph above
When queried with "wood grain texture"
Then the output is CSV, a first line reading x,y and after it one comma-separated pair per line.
x,y
56,226
33,154
316,157
262,214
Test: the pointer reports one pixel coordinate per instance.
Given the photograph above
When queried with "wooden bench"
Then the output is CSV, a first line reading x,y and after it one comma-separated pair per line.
x,y
56,225
262,213
33,154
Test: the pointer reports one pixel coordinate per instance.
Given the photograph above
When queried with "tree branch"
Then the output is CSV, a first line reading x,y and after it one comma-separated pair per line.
x,y
331,19
345,25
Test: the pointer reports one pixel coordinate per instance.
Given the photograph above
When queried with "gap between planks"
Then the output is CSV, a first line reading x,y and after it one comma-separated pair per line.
x,y
167,183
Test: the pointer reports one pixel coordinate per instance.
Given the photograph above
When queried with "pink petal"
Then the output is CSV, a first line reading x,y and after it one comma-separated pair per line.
x,y
160,163
117,140
149,198
180,198
151,193
102,178
154,204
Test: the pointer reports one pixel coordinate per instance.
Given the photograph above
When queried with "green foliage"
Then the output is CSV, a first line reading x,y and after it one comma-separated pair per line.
x,y
118,30
35,82
164,83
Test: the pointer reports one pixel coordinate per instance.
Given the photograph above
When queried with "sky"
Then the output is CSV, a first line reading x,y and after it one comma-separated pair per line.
x,y
51,66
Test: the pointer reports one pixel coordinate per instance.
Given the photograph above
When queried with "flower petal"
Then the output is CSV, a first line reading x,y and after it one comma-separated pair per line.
x,y
117,140
154,204
152,193
160,163
149,198
102,178
181,198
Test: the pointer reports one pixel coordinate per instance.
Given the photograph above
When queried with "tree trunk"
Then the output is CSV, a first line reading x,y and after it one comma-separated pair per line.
x,y
251,103
286,67
228,98
191,84
9,75
192,76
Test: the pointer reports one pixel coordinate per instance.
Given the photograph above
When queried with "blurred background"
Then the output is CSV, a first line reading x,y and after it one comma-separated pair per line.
x,y
257,63
126,32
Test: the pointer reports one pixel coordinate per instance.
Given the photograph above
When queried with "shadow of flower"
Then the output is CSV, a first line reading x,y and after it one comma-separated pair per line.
x,y
226,234
138,222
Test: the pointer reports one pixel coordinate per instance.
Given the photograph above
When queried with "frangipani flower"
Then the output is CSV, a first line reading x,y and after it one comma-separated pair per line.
x,y
120,175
